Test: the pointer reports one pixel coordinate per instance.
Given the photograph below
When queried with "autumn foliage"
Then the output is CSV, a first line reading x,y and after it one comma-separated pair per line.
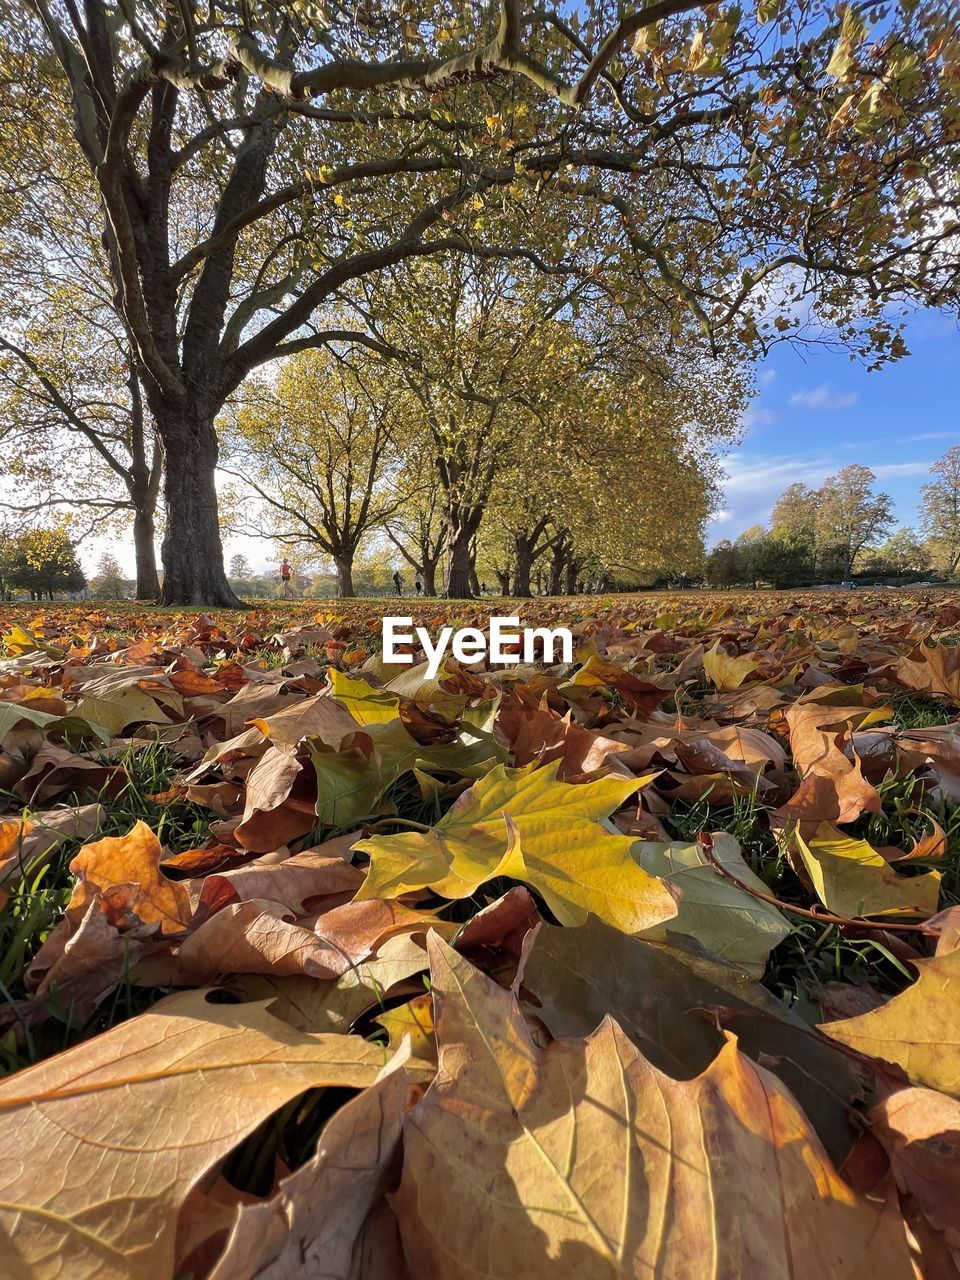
x,y
515,972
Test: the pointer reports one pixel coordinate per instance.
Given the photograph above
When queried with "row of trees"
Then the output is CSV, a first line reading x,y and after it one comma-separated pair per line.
x,y
493,427
192,195
841,528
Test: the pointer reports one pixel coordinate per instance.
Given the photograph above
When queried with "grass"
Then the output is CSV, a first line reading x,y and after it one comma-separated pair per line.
x,y
817,952
912,711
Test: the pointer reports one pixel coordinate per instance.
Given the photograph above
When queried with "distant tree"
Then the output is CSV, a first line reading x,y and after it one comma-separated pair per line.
x,y
240,567
7,552
110,583
44,562
725,565
850,516
904,553
794,515
319,448
780,561
940,511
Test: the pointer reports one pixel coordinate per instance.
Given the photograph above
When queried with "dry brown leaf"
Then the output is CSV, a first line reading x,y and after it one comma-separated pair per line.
x,y
125,870
26,845
111,1136
315,1223
318,717
583,1159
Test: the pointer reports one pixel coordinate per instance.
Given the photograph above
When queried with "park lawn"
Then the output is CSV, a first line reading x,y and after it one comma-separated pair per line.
x,y
747,803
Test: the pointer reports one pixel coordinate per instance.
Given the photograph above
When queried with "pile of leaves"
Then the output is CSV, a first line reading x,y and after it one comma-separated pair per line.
x,y
647,964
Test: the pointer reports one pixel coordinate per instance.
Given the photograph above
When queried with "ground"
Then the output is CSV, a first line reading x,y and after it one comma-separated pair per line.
x,y
754,797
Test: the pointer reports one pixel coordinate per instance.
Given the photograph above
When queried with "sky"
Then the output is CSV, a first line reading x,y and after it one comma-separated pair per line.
x,y
817,411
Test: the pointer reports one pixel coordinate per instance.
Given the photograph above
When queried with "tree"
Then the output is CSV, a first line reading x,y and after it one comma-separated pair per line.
x,y
253,160
794,516
850,515
240,567
940,510
482,349
44,562
109,584
724,565
75,431
780,561
589,492
320,449
68,443
418,528
904,553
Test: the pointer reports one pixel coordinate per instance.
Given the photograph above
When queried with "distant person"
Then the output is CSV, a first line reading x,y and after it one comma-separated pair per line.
x,y
398,583
418,583
285,574
483,588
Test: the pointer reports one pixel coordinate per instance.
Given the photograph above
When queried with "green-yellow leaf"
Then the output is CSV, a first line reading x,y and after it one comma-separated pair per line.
x,y
525,825
726,920
725,672
852,879
366,704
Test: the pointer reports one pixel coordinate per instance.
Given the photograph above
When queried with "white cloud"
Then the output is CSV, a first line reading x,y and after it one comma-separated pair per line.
x,y
823,398
887,471
756,416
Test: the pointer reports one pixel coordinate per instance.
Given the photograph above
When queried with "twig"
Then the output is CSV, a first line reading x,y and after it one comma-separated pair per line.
x,y
705,841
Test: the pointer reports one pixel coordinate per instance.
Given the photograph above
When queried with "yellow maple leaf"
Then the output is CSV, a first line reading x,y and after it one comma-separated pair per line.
x,y
727,673
525,825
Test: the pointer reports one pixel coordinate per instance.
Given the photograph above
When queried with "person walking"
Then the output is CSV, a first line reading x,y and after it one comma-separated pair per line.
x,y
285,574
418,583
398,583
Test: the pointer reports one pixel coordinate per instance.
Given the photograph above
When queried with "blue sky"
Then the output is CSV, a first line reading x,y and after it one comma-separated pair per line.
x,y
816,411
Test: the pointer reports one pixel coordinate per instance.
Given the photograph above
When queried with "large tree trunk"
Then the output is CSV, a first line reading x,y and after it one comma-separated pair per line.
x,y
459,562
192,553
557,564
573,569
344,565
148,583
429,572
503,578
522,566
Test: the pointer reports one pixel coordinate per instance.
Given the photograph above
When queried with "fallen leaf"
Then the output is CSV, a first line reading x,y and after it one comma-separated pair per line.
x,y
111,1135
852,879
553,842
125,870
319,717
725,672
728,921
918,1030
586,1158
673,1003
315,1222
920,1131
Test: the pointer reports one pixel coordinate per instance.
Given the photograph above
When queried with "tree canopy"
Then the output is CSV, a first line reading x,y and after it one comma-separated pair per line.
x,y
785,170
